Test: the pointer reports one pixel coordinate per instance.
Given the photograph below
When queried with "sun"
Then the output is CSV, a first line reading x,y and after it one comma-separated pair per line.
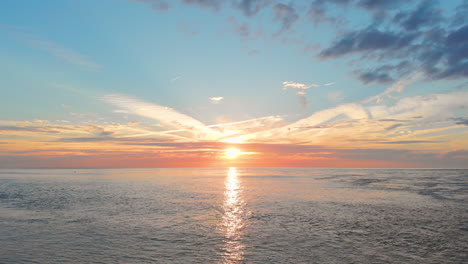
x,y
232,153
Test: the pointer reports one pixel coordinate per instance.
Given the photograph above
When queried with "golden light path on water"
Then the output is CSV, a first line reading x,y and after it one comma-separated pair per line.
x,y
233,221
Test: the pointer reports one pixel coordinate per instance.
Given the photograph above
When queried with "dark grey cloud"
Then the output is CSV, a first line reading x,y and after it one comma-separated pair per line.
x,y
393,126
15,128
392,120
107,137
86,139
318,11
369,39
243,30
253,52
380,9
452,55
106,133
251,7
457,44
383,74
426,14
379,5
417,38
318,15
334,2
414,38
461,121
207,4
159,5
28,129
407,142
402,37
286,15
375,76
457,154
460,17
435,159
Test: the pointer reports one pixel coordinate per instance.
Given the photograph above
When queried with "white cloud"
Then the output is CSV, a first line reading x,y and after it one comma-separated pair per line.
x,y
167,116
216,99
176,78
300,86
301,90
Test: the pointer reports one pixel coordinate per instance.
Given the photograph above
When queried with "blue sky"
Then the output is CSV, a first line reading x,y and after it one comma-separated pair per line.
x,y
220,62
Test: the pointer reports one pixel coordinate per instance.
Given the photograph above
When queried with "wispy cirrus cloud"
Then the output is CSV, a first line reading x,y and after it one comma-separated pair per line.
x,y
57,50
167,116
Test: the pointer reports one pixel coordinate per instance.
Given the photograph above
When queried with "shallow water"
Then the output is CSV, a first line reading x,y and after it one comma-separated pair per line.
x,y
234,216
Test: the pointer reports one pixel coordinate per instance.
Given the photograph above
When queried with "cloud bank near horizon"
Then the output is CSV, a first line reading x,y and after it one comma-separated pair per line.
x,y
425,129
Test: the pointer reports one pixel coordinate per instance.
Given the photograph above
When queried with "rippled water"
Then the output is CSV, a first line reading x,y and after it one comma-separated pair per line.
x,y
234,216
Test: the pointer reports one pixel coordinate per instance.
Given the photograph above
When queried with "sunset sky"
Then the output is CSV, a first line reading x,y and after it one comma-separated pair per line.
x,y
258,83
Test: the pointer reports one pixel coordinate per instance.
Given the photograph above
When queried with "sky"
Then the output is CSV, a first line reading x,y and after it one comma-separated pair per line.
x,y
247,83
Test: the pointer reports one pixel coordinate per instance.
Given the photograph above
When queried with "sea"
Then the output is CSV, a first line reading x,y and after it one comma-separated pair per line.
x,y
234,215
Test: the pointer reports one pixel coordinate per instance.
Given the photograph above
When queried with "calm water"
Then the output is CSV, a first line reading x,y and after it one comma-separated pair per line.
x,y
234,216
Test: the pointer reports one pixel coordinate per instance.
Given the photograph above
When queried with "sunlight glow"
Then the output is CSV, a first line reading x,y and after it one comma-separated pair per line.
x,y
233,219
232,153
234,140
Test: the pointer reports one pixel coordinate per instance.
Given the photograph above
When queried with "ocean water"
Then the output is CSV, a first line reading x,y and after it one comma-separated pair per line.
x,y
234,215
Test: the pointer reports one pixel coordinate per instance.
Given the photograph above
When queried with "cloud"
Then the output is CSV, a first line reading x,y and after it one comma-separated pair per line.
x,y
379,6
301,89
335,97
408,142
30,128
369,118
251,7
216,99
176,78
383,74
243,30
426,129
460,17
318,14
158,5
375,76
402,37
167,116
253,52
299,86
366,40
58,51
286,15
426,14
208,4
415,38
461,121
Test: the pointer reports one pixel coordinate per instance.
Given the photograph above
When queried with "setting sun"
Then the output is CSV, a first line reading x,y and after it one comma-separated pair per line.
x,y
232,153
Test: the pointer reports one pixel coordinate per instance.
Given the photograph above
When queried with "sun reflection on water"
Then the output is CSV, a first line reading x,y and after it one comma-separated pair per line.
x,y
233,222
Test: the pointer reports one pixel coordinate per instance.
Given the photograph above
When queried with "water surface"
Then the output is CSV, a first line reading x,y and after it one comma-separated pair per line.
x,y
234,216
